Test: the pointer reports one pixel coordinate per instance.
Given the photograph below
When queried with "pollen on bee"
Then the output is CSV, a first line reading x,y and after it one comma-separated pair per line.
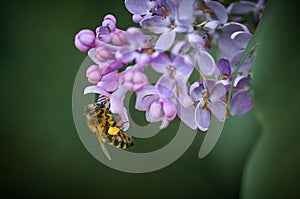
x,y
113,130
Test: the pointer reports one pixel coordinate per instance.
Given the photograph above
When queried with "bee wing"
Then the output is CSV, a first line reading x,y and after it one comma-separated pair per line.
x,y
103,147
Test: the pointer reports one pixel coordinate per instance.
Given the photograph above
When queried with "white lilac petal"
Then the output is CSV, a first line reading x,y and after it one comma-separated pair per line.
x,y
166,40
241,38
241,7
206,63
218,109
165,86
219,90
241,103
139,7
202,118
219,10
186,115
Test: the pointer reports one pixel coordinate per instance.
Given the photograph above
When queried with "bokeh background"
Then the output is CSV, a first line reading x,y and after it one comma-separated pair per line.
x,y
257,156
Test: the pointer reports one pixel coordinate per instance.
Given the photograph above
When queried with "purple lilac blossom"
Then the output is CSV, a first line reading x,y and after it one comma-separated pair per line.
x,y
203,24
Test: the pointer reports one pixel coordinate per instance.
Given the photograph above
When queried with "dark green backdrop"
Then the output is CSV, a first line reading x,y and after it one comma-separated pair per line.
x,y
257,156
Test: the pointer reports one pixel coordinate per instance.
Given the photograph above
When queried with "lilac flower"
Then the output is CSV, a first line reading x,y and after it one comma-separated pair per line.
x,y
213,12
140,8
108,26
232,38
243,7
85,40
241,101
169,24
93,74
138,48
176,72
159,108
135,80
107,83
211,96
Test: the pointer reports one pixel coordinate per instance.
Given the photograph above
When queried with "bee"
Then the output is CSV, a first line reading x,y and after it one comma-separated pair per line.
x,y
108,129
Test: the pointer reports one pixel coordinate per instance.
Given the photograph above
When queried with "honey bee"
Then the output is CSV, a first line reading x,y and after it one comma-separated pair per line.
x,y
108,129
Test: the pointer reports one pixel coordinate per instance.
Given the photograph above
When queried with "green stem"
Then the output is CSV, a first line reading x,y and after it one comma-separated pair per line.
x,y
246,54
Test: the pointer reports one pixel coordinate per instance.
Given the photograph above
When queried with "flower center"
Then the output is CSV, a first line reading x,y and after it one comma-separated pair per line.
x,y
205,100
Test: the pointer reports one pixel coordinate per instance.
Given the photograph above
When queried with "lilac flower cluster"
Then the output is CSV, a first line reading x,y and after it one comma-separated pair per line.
x,y
186,36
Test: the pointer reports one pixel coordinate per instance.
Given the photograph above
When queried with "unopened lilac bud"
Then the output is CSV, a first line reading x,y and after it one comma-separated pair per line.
x,y
94,74
170,110
135,80
102,54
155,110
110,25
85,40
118,38
111,17
128,76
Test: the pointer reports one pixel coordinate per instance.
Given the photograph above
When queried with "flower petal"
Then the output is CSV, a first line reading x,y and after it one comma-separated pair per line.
x,y
224,66
206,63
218,109
246,65
202,118
241,103
156,24
196,90
139,7
183,66
241,38
160,63
145,97
186,115
165,86
166,40
181,92
218,9
219,90
241,7
117,100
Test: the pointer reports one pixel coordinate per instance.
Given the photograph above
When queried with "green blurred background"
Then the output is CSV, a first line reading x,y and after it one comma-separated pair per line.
x,y
257,156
